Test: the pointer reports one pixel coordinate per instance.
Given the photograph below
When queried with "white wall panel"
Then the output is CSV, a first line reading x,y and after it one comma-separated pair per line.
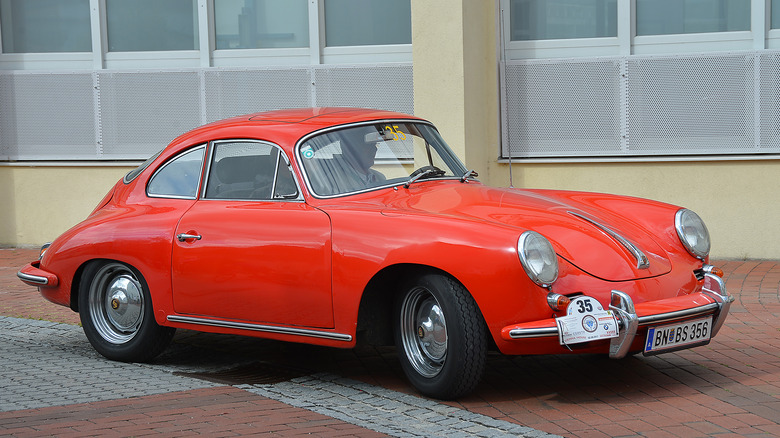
x,y
129,115
386,87
683,105
46,114
231,93
562,108
140,112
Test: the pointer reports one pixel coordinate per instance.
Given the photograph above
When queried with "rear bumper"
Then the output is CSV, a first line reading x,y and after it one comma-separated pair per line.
x,y
712,300
33,275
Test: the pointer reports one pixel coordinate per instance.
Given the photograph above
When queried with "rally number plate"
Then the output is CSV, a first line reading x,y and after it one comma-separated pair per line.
x,y
677,336
585,321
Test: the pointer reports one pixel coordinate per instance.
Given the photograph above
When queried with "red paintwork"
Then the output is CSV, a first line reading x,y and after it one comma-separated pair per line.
x,y
310,263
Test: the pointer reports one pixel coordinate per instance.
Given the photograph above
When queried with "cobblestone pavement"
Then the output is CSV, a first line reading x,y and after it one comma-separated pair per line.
x,y
53,383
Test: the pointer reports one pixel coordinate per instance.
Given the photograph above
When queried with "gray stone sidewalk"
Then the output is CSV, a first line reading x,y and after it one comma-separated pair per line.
x,y
45,364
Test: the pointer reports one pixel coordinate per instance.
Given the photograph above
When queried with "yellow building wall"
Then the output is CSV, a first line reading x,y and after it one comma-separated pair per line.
x,y
39,203
455,77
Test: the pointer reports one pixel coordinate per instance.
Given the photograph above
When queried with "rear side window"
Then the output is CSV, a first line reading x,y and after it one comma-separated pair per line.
x,y
179,177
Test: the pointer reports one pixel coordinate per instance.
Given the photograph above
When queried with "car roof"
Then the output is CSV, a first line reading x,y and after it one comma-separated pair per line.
x,y
285,126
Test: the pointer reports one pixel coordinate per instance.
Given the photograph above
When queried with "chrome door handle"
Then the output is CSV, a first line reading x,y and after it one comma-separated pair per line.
x,y
184,237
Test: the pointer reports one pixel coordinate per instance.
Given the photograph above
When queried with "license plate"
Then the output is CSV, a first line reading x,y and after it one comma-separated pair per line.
x,y
678,336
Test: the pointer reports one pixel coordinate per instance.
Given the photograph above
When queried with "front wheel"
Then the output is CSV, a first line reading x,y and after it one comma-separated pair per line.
x,y
116,312
440,336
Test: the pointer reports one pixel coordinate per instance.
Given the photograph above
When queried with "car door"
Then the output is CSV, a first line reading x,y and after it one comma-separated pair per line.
x,y
250,249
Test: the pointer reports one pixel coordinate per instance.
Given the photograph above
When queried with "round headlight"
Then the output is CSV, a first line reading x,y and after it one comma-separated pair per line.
x,y
693,233
538,258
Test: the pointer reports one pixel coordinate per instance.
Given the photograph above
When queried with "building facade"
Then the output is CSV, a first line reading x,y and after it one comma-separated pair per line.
x,y
674,100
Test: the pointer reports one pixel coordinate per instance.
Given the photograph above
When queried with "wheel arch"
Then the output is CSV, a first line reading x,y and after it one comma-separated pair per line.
x,y
75,287
375,312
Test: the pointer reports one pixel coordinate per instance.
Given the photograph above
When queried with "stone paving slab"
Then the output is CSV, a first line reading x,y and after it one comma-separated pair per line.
x,y
46,364
387,411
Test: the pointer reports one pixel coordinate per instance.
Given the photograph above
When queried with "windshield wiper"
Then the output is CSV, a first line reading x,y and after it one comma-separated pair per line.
x,y
468,175
424,172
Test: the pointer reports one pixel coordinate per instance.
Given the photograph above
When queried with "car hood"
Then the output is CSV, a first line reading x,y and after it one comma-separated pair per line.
x,y
601,242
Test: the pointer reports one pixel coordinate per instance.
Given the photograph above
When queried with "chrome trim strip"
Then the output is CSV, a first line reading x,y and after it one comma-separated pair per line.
x,y
687,313
540,332
261,328
37,279
642,262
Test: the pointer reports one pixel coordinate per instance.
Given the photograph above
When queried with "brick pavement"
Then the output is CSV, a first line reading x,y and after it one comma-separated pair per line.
x,y
728,388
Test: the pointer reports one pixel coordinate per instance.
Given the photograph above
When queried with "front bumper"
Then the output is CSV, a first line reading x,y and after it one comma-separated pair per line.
x,y
712,300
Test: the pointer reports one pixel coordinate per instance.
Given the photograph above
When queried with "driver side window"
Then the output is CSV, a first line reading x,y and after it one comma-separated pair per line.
x,y
246,170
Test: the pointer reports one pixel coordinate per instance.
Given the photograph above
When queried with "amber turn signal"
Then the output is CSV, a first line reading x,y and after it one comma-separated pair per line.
x,y
557,302
713,270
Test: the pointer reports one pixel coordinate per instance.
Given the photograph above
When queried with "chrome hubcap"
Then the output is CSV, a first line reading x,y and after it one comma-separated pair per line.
x,y
424,332
116,303
124,303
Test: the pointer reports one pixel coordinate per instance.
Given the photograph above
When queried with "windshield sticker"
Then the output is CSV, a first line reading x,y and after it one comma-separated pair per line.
x,y
307,152
396,132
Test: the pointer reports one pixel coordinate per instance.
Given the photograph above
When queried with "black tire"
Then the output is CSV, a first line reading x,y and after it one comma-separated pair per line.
x,y
440,336
116,313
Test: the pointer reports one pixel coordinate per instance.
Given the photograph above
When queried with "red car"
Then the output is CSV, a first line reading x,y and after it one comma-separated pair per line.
x,y
336,225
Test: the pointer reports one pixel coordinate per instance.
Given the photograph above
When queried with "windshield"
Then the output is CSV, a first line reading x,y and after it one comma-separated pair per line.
x,y
375,155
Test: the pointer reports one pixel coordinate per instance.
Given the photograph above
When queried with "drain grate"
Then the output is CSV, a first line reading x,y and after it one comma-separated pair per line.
x,y
256,373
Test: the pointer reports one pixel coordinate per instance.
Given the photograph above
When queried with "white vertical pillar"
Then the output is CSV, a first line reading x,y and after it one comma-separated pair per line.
x,y
759,22
206,31
97,20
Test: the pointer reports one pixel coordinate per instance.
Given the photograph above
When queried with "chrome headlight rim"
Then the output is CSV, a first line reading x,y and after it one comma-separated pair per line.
x,y
693,233
538,258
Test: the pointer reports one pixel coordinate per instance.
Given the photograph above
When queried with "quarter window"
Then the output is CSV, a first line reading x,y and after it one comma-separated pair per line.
x,y
249,171
178,178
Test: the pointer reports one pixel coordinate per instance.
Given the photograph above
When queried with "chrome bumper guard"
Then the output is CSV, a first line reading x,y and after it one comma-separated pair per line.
x,y
628,321
29,278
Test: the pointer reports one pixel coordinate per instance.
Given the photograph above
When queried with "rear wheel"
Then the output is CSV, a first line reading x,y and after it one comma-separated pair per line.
x,y
116,313
440,336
